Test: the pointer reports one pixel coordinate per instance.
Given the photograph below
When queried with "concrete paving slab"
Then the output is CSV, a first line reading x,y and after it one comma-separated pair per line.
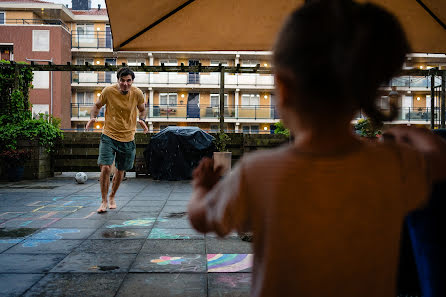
x,y
142,208
183,233
143,222
28,263
77,223
121,233
229,284
180,196
152,203
95,263
74,284
111,246
172,246
29,223
169,263
128,215
163,285
90,213
227,246
12,285
165,223
48,246
148,197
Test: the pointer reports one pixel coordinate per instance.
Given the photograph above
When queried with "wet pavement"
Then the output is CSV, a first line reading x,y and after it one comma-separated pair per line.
x,y
53,243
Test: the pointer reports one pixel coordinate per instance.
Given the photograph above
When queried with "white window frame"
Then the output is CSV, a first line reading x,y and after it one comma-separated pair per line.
x,y
217,96
169,62
253,100
250,129
35,38
170,100
4,17
41,79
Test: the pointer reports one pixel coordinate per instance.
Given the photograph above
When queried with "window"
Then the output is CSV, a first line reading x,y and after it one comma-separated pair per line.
x,y
135,62
169,62
85,98
85,33
40,108
81,61
250,63
215,100
253,129
41,40
2,18
168,99
216,63
215,128
250,100
41,79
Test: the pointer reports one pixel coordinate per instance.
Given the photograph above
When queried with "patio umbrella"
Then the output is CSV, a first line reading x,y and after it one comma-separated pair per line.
x,y
202,25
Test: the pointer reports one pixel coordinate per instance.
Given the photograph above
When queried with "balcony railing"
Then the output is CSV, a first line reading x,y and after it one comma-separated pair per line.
x,y
36,22
91,40
82,110
172,78
412,82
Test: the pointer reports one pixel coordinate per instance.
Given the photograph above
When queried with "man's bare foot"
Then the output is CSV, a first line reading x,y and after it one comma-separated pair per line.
x,y
103,207
112,203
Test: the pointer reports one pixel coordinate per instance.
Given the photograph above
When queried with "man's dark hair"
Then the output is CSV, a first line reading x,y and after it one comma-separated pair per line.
x,y
339,53
124,71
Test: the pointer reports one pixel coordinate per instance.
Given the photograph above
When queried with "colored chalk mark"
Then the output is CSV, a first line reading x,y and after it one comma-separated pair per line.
x,y
50,208
144,222
25,223
165,260
15,240
50,234
229,262
158,233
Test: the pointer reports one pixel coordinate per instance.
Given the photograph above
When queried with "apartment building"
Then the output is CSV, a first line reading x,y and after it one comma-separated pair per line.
x,y
181,99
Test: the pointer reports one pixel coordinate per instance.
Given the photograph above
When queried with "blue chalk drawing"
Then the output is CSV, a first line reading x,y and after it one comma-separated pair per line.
x,y
15,240
158,233
48,235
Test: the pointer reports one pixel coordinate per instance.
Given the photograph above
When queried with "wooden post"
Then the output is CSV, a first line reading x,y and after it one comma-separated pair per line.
x,y
432,101
222,99
443,98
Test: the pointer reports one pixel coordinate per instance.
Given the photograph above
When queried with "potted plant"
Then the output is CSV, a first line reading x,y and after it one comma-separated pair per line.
x,y
14,162
222,157
365,128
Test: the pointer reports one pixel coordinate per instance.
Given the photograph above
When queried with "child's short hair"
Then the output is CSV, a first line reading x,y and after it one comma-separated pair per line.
x,y
339,52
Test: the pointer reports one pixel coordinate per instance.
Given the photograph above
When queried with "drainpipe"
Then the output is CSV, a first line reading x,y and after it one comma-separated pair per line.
x,y
51,81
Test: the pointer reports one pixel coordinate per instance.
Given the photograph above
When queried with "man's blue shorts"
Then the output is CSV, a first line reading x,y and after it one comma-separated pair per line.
x,y
124,152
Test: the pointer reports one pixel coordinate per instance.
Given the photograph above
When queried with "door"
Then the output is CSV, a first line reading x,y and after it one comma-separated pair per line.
x,y
108,37
407,106
193,110
109,74
194,77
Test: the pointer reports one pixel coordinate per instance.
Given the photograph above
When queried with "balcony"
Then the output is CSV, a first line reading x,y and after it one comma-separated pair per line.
x,y
173,79
92,40
50,22
412,82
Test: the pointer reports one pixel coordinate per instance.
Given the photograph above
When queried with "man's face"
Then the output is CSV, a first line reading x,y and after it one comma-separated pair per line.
x,y
125,82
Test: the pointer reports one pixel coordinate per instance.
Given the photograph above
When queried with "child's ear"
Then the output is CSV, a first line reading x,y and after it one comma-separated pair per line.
x,y
284,87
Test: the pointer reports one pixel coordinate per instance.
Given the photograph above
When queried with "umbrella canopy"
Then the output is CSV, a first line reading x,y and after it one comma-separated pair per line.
x,y
206,25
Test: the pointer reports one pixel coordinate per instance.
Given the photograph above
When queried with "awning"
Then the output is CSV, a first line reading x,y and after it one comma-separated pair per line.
x,y
207,25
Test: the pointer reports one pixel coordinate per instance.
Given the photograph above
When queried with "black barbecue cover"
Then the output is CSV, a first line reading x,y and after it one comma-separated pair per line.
x,y
174,152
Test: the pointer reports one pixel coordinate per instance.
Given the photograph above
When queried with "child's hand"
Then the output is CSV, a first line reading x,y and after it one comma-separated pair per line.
x,y
204,176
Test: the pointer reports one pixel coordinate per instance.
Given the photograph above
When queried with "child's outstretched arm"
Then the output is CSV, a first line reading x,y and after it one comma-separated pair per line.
x,y
204,179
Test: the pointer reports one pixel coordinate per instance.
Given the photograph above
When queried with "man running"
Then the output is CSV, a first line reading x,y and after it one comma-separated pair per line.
x,y
117,144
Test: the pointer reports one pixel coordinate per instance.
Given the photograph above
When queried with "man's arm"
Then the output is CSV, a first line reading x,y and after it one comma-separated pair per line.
x,y
94,114
142,116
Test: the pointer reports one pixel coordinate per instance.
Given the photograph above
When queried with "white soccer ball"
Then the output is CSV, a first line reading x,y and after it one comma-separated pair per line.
x,y
80,177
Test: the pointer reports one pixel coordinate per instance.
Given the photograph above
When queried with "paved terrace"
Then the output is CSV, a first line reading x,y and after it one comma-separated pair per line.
x,y
53,243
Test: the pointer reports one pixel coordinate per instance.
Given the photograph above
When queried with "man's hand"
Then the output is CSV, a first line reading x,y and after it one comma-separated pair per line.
x,y
204,176
144,126
89,123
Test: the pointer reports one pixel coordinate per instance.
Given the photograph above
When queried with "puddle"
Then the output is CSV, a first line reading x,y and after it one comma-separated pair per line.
x,y
173,215
16,233
118,234
105,268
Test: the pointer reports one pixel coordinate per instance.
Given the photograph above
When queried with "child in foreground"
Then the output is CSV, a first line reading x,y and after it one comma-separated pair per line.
x,y
326,211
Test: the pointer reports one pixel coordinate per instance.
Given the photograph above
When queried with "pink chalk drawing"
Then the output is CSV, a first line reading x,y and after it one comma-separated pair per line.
x,y
164,260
